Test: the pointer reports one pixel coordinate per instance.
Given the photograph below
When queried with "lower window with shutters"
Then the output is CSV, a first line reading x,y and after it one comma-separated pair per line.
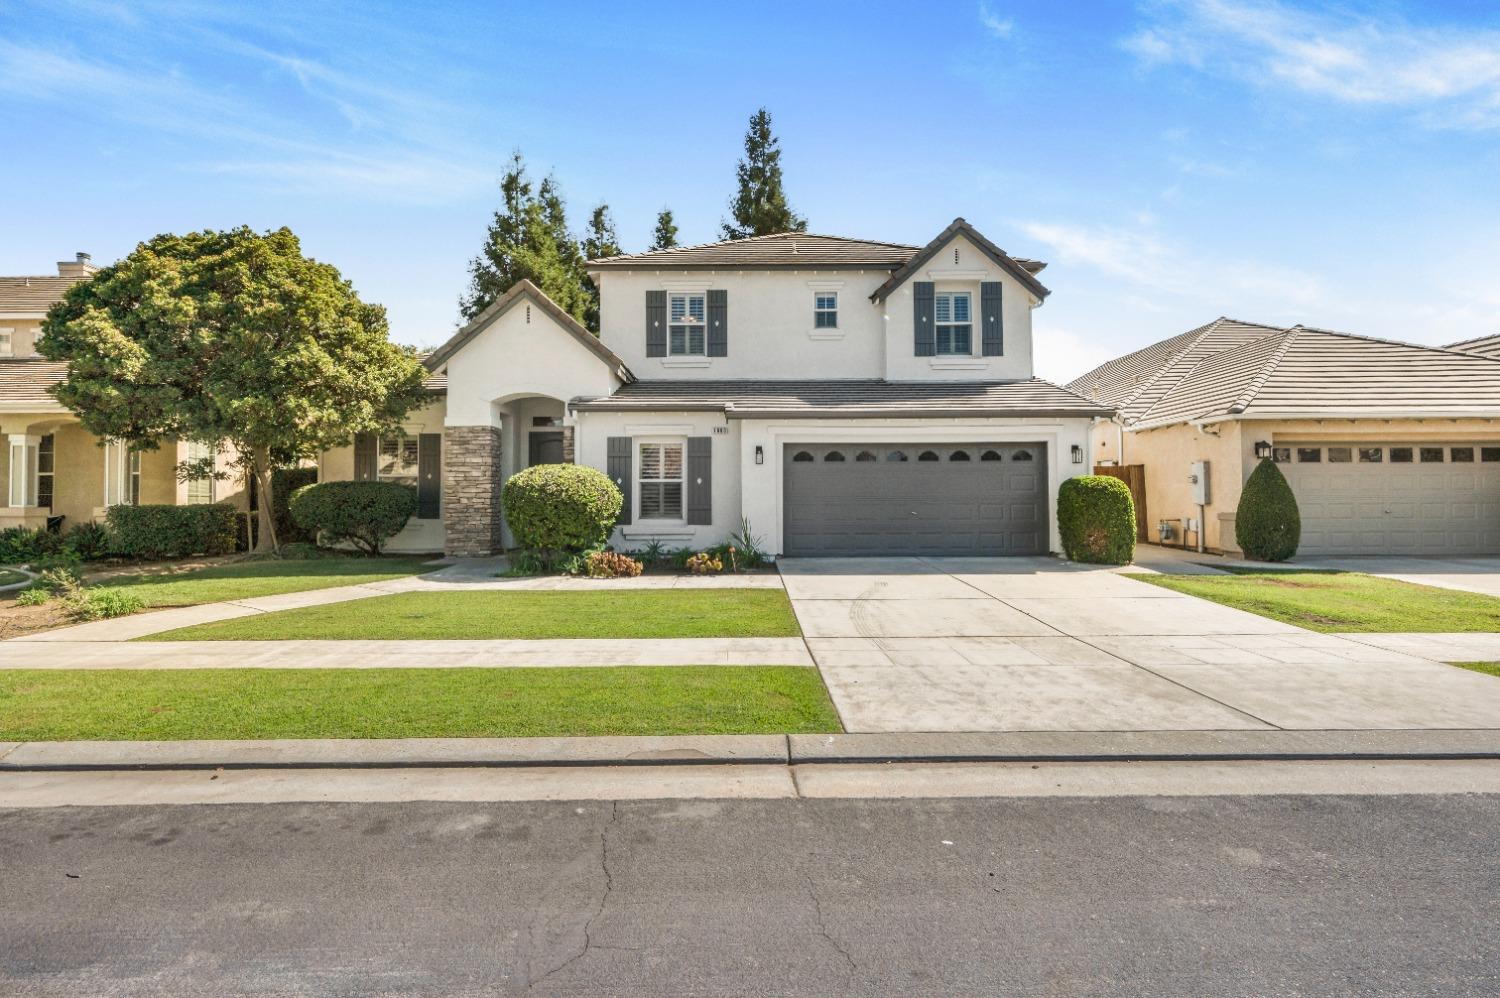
x,y
660,479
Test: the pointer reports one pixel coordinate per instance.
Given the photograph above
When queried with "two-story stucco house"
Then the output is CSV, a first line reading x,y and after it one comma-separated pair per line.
x,y
845,397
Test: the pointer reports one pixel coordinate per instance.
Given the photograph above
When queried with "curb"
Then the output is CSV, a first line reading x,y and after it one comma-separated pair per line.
x,y
757,750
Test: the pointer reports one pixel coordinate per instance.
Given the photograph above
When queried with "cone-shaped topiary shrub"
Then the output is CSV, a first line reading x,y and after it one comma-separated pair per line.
x,y
1096,517
1267,524
560,509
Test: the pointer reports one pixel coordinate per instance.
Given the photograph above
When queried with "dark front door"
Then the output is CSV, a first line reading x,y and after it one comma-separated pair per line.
x,y
915,499
546,448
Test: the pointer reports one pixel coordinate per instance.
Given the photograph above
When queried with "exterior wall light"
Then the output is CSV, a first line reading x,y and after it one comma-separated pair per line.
x,y
1077,454
1262,448
760,455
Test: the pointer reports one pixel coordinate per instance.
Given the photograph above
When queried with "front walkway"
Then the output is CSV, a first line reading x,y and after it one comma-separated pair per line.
x,y
1026,644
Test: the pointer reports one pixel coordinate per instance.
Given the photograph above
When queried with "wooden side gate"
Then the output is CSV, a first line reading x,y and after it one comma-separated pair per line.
x,y
1133,475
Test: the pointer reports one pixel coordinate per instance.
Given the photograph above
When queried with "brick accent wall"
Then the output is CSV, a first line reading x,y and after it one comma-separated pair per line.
x,y
567,432
471,490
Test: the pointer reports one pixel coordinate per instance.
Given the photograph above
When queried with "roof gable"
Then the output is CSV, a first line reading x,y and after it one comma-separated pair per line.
x,y
1016,268
1484,346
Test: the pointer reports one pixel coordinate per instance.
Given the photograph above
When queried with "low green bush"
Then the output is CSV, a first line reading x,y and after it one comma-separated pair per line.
x,y
1096,517
20,545
161,531
284,482
365,514
103,603
561,510
35,596
1267,523
89,541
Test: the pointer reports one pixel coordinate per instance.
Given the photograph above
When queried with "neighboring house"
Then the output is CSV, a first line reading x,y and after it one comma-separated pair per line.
x,y
52,467
1391,448
844,397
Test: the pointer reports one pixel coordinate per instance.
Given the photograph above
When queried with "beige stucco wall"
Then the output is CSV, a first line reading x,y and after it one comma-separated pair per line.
x,y
337,465
24,333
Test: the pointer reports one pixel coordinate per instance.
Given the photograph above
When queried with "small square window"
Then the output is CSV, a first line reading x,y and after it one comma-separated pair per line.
x,y
1309,455
1489,453
7,342
1340,455
1461,455
1371,455
1281,455
1431,455
1401,455
826,310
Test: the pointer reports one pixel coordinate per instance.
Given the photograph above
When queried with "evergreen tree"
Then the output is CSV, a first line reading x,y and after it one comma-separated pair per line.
x,y
665,236
600,241
760,208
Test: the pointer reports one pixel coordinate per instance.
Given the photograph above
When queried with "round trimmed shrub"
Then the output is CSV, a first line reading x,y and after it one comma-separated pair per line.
x,y
365,514
1267,523
553,509
1096,517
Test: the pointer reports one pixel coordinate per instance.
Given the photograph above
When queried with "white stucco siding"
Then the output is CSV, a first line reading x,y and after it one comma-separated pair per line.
x,y
971,268
771,332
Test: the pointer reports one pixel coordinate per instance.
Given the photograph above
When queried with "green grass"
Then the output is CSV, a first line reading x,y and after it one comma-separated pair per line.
x,y
598,613
1488,668
9,576
109,705
1340,601
267,577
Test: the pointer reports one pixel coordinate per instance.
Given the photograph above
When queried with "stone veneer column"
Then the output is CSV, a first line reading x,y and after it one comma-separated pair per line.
x,y
567,432
471,490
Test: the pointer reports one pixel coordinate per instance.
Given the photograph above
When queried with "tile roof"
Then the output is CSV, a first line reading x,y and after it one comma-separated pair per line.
x,y
1485,346
1023,273
845,398
1293,372
782,250
32,294
24,383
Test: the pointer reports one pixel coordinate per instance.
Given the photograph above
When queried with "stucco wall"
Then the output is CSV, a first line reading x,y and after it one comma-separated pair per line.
x,y
23,336
337,465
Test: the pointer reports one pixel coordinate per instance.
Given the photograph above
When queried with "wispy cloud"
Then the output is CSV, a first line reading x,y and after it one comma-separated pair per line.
x,y
1450,75
997,26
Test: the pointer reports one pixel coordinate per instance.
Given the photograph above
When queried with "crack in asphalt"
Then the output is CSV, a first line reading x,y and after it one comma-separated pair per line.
x,y
823,926
588,925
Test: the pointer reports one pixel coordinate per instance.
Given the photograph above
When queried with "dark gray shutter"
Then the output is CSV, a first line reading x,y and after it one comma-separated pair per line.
x,y
718,323
922,319
993,334
618,467
364,457
429,476
656,323
700,481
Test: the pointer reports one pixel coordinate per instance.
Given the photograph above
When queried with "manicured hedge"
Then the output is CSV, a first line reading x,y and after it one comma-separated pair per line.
x,y
365,514
555,509
1267,524
285,481
1096,517
171,531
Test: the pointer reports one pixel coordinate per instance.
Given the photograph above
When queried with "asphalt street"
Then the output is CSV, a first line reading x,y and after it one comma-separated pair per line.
x,y
1266,895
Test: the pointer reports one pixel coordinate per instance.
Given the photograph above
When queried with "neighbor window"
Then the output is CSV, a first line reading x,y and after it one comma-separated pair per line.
x,y
135,478
826,310
200,490
1281,455
1309,455
46,461
954,331
661,481
1370,455
685,326
1340,455
397,461
1489,453
1431,455
1401,455
7,342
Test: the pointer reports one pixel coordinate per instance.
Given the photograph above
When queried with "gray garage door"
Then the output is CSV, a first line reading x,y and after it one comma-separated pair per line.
x,y
1396,498
934,499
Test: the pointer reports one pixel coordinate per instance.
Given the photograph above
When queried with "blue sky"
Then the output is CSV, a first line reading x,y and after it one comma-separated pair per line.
x,y
1174,159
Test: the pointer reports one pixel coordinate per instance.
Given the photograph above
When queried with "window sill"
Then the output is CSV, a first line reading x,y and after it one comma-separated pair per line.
x,y
958,363
666,530
686,362
826,334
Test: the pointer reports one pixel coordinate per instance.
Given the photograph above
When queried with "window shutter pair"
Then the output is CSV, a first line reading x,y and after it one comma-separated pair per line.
x,y
992,336
718,323
620,463
924,319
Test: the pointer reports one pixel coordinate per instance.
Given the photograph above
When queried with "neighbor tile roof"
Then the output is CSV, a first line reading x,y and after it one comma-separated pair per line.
x,y
32,294
1294,372
24,383
1485,346
854,397
782,250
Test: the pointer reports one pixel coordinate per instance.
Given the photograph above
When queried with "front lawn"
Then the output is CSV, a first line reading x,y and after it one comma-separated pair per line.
x,y
107,705
599,613
265,577
9,576
1340,601
1488,668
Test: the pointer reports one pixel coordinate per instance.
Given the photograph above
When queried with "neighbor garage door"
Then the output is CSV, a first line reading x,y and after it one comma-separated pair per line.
x,y
936,499
1395,498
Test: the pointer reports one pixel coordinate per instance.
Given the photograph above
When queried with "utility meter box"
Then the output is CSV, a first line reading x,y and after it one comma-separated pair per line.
x,y
1199,479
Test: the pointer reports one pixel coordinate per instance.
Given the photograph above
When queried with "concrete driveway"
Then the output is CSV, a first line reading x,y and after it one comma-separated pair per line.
x,y
1017,644
1475,575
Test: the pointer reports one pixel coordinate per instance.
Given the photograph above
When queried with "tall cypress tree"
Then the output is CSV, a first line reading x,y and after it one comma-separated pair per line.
x,y
760,208
599,242
665,236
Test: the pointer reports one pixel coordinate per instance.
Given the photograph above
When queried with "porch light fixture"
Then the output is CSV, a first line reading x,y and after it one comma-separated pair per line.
x,y
1077,454
1262,448
760,455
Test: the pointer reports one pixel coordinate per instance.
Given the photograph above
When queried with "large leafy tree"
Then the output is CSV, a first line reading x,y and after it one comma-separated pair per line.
x,y
665,236
230,338
528,238
759,207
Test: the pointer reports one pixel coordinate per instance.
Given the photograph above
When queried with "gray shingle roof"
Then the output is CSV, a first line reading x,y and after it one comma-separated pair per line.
x,y
32,294
1485,346
25,382
1022,271
854,397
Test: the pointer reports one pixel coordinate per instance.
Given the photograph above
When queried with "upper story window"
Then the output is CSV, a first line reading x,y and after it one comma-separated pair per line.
x,y
954,322
7,342
685,325
826,310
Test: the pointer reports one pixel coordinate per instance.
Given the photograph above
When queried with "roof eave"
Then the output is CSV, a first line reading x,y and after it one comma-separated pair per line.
x,y
955,228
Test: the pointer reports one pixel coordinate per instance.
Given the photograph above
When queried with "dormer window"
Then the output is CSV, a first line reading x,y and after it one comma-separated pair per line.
x,y
954,323
826,310
685,325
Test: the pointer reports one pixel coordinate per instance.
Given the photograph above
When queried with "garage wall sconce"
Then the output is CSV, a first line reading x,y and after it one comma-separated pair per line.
x,y
1077,454
1262,448
760,455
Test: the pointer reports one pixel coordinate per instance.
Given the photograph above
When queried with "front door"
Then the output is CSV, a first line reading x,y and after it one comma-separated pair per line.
x,y
546,448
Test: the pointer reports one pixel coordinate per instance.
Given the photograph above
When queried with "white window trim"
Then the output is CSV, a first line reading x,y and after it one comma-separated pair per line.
x,y
823,293
657,522
936,323
688,325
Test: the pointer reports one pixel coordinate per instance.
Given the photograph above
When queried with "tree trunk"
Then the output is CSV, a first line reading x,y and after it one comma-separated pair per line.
x,y
260,467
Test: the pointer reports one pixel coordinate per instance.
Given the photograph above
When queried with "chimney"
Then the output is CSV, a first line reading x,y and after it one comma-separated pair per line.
x,y
80,266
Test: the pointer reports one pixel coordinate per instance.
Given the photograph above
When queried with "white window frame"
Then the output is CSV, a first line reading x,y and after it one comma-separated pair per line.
x,y
7,341
133,476
689,324
402,444
46,446
663,480
200,490
951,325
822,311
